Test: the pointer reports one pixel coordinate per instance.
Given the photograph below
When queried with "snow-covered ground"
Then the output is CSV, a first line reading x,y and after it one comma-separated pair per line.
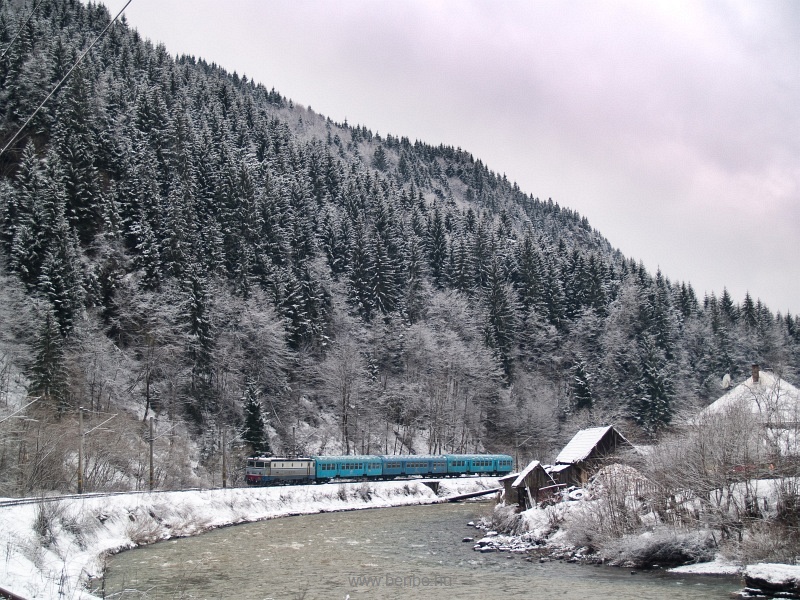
x,y
718,566
52,550
546,530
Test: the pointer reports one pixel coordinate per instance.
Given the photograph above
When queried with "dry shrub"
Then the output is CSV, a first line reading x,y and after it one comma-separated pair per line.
x,y
82,526
663,548
143,529
365,491
766,541
618,492
46,521
507,520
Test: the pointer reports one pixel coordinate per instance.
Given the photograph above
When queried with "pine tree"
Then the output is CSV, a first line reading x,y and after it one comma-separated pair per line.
x,y
652,408
527,275
200,330
581,386
748,311
436,245
255,425
460,269
500,316
360,274
379,160
76,149
48,372
383,284
413,300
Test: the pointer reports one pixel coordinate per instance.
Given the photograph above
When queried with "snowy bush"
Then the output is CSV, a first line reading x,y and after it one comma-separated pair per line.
x,y
143,531
46,521
663,548
766,542
507,519
365,491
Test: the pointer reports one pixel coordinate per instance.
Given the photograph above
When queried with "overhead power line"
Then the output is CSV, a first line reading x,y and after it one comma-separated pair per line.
x,y
21,29
63,79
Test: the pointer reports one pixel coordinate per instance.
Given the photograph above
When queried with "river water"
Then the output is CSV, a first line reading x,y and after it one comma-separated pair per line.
x,y
411,552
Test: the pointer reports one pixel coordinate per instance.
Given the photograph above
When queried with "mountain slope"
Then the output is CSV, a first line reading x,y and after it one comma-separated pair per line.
x,y
198,248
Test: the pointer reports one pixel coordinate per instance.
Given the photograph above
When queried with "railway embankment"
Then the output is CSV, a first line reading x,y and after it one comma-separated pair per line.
x,y
57,548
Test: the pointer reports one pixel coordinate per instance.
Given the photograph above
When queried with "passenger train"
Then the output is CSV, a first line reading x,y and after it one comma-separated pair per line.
x,y
263,470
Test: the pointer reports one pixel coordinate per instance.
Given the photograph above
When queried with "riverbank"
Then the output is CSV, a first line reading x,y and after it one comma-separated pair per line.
x,y
56,550
560,532
557,533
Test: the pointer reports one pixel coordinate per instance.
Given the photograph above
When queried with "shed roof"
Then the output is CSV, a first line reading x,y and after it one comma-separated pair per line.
x,y
525,472
582,444
770,397
556,468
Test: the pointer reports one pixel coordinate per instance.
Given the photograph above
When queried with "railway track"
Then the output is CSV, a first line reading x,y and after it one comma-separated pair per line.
x,y
10,595
22,501
41,499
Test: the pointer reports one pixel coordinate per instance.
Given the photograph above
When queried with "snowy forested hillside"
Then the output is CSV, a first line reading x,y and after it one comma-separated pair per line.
x,y
184,243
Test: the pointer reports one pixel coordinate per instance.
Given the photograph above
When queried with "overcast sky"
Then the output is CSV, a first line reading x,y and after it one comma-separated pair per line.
x,y
674,127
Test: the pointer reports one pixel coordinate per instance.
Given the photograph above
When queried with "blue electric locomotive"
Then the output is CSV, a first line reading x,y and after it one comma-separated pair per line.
x,y
262,470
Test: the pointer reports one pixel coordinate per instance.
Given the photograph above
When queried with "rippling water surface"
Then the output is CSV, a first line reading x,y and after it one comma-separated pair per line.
x,y
410,552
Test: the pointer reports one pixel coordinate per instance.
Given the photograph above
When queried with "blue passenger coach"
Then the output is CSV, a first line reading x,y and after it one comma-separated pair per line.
x,y
348,467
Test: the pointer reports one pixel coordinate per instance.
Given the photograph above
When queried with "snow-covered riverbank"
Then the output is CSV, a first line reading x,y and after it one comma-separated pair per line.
x,y
52,550
555,532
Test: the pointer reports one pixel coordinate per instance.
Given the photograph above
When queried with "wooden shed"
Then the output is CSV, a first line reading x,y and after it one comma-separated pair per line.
x,y
531,486
585,453
509,493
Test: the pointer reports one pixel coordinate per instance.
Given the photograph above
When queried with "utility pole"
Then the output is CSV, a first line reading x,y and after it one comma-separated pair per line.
x,y
151,440
80,450
224,462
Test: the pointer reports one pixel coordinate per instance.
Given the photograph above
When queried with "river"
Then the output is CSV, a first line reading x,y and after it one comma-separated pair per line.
x,y
411,552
